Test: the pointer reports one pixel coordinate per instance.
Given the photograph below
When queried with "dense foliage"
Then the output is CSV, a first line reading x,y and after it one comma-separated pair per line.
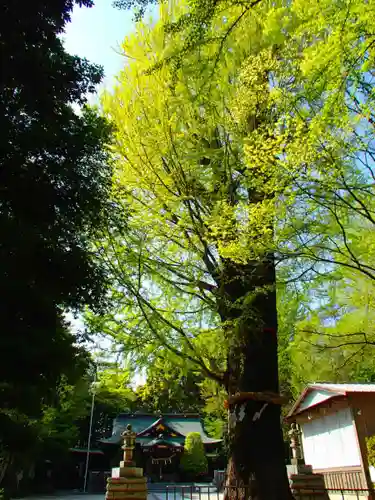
x,y
332,339
54,183
168,389
315,180
66,424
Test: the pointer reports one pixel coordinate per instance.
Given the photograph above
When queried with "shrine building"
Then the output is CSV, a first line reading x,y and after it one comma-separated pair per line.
x,y
159,442
335,421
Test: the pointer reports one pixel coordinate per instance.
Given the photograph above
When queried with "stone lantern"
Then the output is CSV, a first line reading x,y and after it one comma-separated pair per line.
x,y
127,481
129,445
295,444
303,482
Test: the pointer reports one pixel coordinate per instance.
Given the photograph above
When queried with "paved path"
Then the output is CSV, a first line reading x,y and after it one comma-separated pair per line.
x,y
67,496
173,494
177,493
185,494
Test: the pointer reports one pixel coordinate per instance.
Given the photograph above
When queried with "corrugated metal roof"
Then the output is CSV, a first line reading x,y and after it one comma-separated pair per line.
x,y
343,388
325,391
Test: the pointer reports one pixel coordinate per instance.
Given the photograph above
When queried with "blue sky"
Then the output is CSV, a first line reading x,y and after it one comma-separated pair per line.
x,y
96,34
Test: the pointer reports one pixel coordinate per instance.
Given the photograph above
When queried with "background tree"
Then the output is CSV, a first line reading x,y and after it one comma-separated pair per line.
x,y
333,341
169,389
215,414
65,423
25,412
113,395
371,450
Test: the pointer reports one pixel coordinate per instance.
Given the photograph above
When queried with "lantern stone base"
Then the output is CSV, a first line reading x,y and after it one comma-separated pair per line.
x,y
294,469
306,485
127,464
126,483
127,471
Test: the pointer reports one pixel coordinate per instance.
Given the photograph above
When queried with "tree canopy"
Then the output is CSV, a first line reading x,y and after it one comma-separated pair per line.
x,y
324,187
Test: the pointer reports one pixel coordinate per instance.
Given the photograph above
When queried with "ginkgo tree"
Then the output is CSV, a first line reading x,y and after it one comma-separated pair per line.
x,y
228,163
180,279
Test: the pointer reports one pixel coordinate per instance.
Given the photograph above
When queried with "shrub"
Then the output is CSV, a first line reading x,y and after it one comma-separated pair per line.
x,y
193,460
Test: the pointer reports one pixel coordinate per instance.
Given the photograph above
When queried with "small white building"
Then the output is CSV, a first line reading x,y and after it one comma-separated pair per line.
x,y
335,420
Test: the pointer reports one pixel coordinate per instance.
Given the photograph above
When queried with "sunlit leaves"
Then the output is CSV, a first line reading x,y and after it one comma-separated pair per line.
x,y
258,140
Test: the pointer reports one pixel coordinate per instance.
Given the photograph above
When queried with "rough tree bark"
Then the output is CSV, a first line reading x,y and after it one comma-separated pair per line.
x,y
257,462
5,462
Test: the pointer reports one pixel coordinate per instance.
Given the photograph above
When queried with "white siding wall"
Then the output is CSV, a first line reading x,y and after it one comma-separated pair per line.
x,y
330,441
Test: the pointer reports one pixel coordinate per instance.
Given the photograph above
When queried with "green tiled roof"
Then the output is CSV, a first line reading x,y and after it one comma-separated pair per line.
x,y
185,425
182,425
138,423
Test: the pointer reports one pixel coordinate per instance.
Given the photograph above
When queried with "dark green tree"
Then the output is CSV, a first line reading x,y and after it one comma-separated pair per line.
x,y
67,422
54,183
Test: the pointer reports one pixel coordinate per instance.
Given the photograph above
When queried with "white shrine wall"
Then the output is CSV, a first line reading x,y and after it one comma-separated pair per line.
x,y
330,441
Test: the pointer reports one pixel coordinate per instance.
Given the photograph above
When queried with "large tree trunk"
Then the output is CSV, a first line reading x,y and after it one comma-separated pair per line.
x,y
256,463
5,462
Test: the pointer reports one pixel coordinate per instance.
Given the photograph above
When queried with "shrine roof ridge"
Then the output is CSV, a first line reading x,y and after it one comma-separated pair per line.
x,y
158,415
179,425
